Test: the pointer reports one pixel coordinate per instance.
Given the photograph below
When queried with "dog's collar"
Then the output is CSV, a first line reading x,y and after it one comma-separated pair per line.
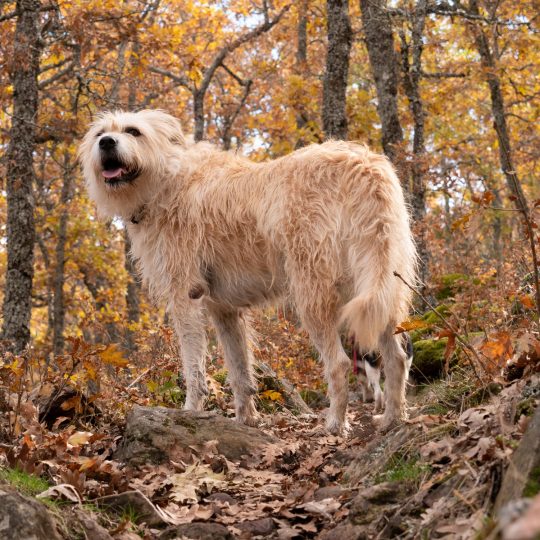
x,y
138,215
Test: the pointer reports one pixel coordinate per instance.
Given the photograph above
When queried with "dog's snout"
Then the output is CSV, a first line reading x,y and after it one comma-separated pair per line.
x,y
107,142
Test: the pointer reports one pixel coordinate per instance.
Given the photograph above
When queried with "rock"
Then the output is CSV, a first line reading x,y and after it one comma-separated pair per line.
x,y
197,531
135,500
385,493
270,380
221,498
346,531
23,518
257,527
522,476
158,434
92,529
428,360
333,492
527,526
450,284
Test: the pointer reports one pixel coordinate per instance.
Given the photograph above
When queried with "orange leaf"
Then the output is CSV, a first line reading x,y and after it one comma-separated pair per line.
x,y
111,355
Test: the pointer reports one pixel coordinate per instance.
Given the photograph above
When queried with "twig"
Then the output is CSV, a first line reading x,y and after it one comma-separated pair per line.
x,y
467,347
133,383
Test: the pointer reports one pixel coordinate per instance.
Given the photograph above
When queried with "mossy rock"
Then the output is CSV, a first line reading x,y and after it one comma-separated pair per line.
x,y
449,284
430,318
428,361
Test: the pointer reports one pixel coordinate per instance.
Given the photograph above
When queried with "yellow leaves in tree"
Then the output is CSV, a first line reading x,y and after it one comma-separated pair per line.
x,y
114,357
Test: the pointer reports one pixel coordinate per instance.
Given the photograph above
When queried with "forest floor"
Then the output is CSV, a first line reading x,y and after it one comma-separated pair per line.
x,y
436,476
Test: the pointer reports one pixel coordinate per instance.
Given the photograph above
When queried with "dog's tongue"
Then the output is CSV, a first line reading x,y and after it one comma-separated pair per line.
x,y
113,173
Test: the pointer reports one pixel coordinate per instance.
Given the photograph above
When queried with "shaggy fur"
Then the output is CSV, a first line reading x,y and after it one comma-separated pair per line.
x,y
215,233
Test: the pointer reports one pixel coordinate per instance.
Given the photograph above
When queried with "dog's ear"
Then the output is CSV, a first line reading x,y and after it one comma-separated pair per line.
x,y
166,124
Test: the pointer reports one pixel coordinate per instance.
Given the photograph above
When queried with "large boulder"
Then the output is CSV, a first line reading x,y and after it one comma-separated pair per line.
x,y
157,435
24,518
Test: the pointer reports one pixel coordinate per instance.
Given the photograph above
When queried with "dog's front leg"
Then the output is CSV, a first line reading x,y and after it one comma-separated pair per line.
x,y
189,323
233,330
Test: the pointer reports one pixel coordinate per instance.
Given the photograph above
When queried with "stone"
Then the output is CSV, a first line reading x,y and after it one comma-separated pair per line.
x,y
522,476
333,492
24,518
197,531
346,531
92,529
257,527
136,501
221,498
157,435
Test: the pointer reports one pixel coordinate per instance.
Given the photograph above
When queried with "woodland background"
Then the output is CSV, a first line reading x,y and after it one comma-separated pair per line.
x,y
449,90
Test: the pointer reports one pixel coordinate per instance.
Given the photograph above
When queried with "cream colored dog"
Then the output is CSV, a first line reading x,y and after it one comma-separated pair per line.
x,y
215,233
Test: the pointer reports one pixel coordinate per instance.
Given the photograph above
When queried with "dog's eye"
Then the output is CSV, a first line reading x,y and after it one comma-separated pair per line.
x,y
133,131
99,134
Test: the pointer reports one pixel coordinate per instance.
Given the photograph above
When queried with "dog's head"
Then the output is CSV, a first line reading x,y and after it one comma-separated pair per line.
x,y
124,154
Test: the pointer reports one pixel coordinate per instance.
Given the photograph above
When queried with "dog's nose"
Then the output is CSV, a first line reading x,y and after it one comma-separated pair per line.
x,y
107,142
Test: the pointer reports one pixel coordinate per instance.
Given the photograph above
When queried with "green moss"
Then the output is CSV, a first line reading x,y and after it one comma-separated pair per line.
x,y
449,284
525,408
26,483
221,376
428,361
400,469
430,318
532,488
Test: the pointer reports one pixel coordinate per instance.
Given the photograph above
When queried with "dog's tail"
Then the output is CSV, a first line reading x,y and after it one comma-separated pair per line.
x,y
380,243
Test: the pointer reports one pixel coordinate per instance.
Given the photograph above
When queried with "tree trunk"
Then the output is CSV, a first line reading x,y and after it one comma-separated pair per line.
x,y
198,115
132,294
505,149
336,74
301,62
382,58
59,308
23,72
412,72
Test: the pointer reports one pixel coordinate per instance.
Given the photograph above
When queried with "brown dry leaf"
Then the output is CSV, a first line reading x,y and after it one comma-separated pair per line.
x,y
66,491
483,450
475,418
427,420
79,438
87,463
435,451
196,478
325,508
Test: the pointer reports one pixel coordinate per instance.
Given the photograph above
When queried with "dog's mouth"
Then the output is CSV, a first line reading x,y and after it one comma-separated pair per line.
x,y
115,172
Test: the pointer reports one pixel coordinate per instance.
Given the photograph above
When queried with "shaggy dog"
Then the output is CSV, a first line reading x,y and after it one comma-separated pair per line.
x,y
215,233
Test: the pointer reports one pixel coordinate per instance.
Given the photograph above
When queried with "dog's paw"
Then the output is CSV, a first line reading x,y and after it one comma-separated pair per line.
x,y
384,423
252,420
337,427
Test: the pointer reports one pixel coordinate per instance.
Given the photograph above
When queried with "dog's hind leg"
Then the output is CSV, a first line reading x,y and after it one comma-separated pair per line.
x,y
232,330
189,325
324,335
395,369
373,374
